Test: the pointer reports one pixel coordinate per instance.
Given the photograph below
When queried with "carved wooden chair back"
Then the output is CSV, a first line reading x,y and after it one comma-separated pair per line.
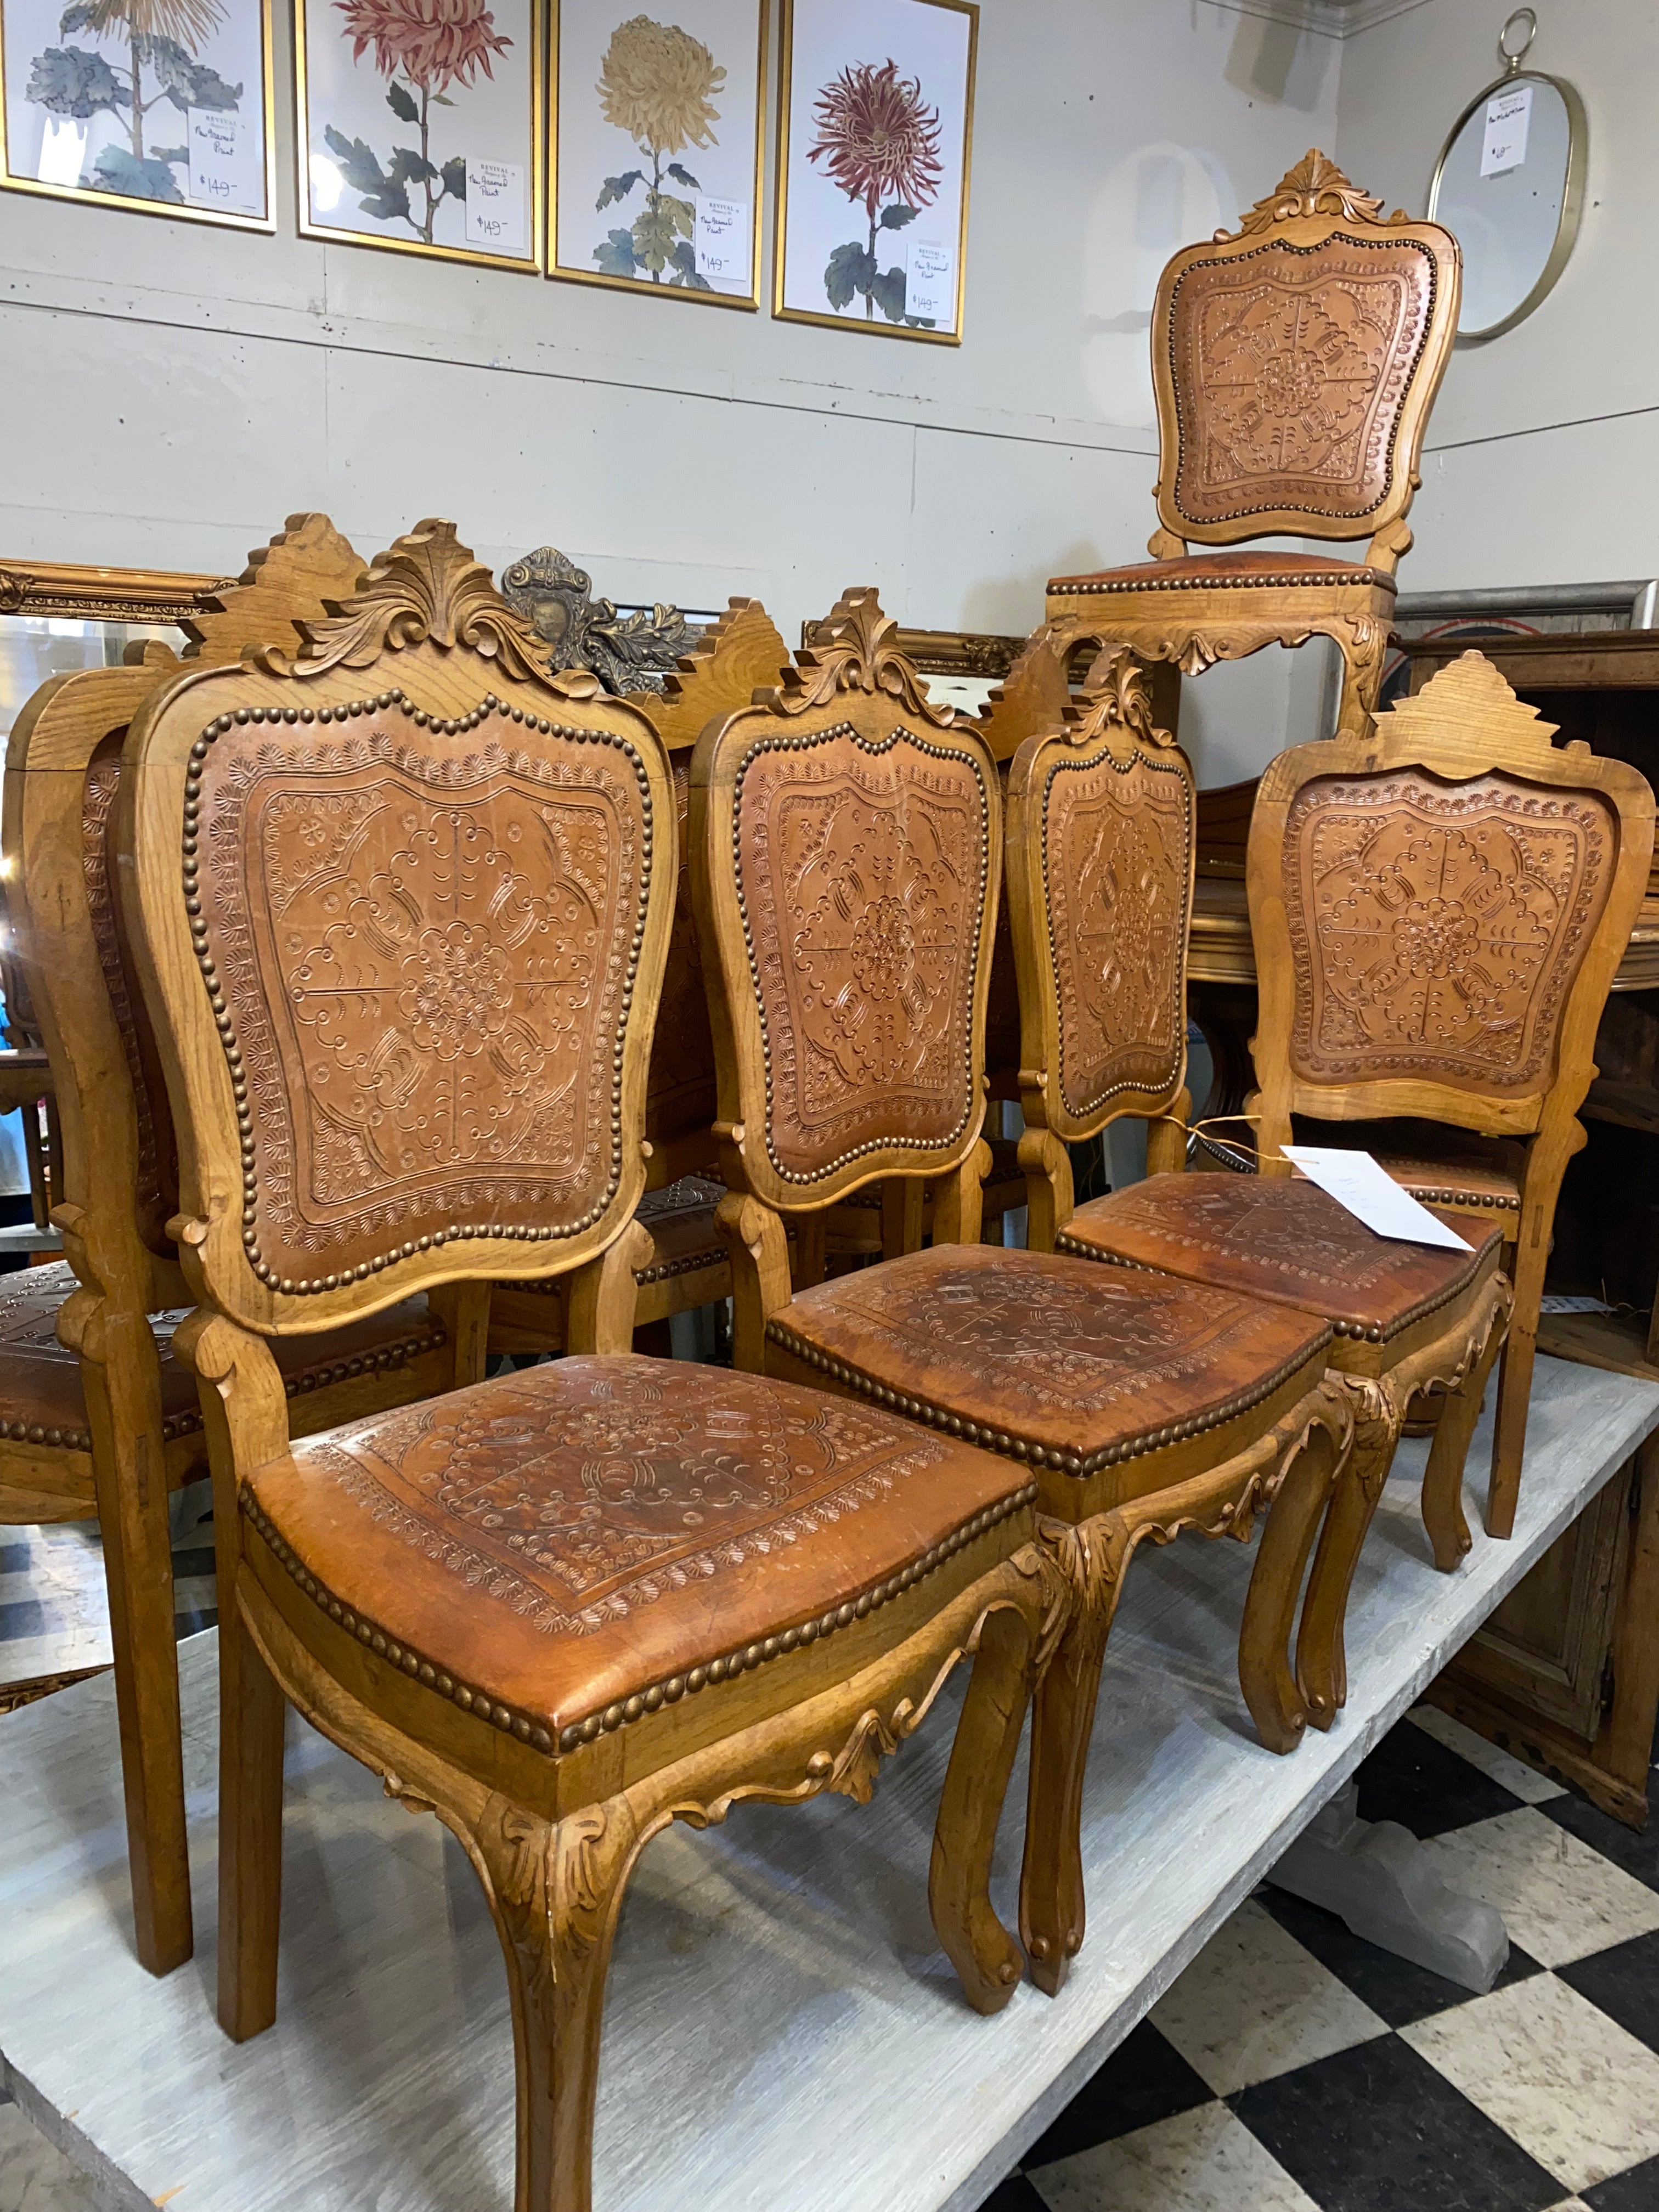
x,y
401,902
846,834
1099,855
1295,361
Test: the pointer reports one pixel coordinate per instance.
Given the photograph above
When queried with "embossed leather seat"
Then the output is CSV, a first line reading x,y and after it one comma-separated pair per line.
x,y
1295,363
570,1549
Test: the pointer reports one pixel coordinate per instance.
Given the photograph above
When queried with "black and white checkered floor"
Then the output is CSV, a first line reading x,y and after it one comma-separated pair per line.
x,y
1293,2067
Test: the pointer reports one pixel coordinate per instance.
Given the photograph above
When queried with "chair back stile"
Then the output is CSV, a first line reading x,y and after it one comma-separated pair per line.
x,y
401,902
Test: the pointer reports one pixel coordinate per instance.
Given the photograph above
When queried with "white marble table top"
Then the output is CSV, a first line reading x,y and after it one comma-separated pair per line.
x,y
782,2034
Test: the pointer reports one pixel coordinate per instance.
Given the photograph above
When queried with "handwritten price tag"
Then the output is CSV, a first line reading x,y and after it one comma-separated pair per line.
x,y
224,170
1509,117
495,206
722,239
930,283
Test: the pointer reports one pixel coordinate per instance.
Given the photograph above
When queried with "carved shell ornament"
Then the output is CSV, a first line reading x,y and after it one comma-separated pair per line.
x,y
1116,696
854,649
1314,187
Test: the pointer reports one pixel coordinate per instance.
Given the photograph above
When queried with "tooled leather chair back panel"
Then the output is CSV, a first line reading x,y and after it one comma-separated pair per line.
x,y
1435,929
863,870
1291,366
680,1099
158,1155
1117,858
421,959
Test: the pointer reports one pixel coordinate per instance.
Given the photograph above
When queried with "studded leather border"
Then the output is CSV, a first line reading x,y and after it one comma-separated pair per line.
x,y
1085,586
1282,245
725,1668
452,1232
875,748
1026,1448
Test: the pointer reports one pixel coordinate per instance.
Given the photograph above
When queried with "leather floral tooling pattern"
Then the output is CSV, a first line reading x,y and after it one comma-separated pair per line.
x,y
863,872
1435,929
1117,859
425,957
1292,365
578,1492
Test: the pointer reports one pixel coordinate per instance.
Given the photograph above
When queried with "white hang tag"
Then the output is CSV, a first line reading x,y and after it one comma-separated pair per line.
x,y
930,282
721,243
223,171
494,206
1357,1182
1508,115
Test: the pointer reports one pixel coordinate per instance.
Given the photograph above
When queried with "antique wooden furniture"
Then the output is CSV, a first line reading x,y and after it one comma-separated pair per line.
x,y
1295,362
95,1416
403,903
1100,854
845,838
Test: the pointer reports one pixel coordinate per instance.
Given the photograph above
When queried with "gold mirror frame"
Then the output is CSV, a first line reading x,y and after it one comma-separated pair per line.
x,y
1573,192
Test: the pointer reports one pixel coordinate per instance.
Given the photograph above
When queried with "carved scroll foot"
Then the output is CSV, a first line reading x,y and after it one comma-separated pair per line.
x,y
1264,1671
556,1892
1321,1665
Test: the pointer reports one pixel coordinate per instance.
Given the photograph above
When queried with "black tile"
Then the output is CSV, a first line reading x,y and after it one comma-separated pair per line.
x,y
1411,1778
1395,1988
193,1562
1637,2189
1637,1855
1376,2130
1623,1982
24,1616
1145,2079
1014,2195
14,1558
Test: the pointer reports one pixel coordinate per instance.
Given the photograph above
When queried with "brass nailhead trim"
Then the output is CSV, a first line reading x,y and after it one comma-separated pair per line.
x,y
1460,1195
725,1668
1280,245
1013,1447
550,1286
30,1433
875,748
1082,586
451,1232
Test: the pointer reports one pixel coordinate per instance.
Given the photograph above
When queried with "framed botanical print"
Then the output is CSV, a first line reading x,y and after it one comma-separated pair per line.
x,y
875,130
160,104
420,125
658,128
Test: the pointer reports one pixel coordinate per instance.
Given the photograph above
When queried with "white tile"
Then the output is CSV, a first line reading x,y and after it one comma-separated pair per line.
x,y
1199,2162
1254,2003
1569,2084
1559,1899
1519,1780
33,2176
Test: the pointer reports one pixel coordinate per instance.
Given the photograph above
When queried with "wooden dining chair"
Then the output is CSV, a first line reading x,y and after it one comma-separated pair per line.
x,y
847,834
1100,856
402,902
1295,361
96,1417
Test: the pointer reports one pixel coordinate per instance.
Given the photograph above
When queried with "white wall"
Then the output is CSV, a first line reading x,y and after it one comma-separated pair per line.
x,y
172,392
1542,463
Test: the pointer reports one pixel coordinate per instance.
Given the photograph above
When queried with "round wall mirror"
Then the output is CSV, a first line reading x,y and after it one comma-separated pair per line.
x,y
1509,186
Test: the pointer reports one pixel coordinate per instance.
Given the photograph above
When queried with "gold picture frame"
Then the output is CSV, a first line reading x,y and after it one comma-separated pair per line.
x,y
530,261
146,165
911,94
688,283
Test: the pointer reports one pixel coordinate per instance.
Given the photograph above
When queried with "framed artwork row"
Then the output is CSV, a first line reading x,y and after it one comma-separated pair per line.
x,y
606,147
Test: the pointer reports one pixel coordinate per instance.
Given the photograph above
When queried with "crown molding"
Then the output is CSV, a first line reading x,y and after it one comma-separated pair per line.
x,y
1329,18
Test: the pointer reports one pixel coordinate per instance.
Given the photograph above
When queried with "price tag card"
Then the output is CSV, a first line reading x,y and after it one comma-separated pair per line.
x,y
1508,117
62,151
930,282
722,239
495,206
224,169
1356,1182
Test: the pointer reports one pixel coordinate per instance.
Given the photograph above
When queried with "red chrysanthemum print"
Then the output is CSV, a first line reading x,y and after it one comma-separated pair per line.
x,y
432,43
877,136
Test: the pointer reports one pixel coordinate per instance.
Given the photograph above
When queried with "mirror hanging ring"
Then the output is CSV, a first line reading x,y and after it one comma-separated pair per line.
x,y
1483,192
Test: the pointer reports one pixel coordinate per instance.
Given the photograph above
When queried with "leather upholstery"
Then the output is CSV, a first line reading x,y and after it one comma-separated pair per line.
x,y
1435,928
1117,856
584,1533
1004,1186
684,1238
1278,1239
42,1402
1292,365
1438,1164
1057,1361
1223,571
425,972
863,873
